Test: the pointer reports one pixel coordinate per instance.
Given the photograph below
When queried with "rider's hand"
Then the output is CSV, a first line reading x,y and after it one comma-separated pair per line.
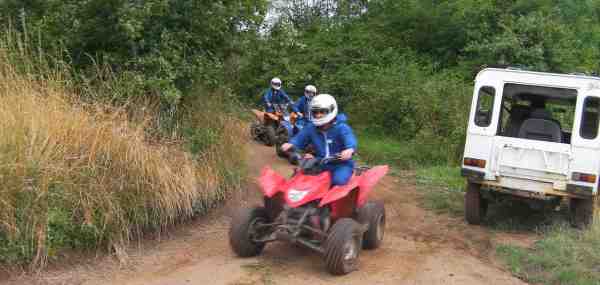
x,y
346,154
308,156
286,146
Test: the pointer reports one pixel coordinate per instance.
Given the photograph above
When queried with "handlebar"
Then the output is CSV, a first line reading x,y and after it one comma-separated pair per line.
x,y
331,159
282,107
312,165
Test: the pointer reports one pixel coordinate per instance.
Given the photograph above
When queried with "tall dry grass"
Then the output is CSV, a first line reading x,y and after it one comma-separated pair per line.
x,y
85,175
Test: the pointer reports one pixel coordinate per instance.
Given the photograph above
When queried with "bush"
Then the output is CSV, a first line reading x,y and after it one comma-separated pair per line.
x,y
81,174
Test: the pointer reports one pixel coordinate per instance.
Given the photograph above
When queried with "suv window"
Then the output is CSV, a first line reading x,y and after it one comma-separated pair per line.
x,y
485,106
537,112
589,118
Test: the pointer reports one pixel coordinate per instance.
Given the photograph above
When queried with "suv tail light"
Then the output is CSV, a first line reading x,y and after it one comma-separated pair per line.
x,y
474,162
584,177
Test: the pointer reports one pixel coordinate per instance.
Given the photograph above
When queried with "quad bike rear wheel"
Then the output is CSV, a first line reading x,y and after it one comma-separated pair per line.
x,y
372,214
282,137
343,246
244,230
475,205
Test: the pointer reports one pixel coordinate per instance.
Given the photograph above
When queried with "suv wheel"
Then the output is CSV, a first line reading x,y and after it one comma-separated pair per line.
x,y
582,211
475,205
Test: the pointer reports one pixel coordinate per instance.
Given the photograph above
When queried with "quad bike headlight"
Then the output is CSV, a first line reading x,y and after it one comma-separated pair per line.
x,y
296,195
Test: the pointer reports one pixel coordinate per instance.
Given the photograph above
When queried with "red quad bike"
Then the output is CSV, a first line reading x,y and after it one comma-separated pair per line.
x,y
336,222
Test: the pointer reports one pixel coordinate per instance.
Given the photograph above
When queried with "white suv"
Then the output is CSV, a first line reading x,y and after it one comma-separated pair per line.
x,y
534,136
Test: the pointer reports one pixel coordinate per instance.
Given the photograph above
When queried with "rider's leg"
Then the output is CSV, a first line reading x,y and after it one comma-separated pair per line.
x,y
341,174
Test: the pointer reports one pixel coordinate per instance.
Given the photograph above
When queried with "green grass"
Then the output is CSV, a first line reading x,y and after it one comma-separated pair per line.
x,y
442,188
375,148
563,256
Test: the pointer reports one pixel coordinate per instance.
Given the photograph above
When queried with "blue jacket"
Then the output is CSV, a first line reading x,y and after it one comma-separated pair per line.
x,y
275,97
302,106
338,137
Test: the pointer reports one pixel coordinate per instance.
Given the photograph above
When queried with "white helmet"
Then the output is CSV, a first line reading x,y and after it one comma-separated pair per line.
x,y
276,83
310,91
323,103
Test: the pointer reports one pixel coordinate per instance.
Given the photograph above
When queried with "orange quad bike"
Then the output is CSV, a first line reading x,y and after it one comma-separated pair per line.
x,y
264,129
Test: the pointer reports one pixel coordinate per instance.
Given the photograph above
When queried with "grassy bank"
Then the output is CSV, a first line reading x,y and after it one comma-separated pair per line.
x,y
563,256
413,154
84,175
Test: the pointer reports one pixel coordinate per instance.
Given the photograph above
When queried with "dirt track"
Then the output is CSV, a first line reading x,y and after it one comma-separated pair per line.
x,y
419,248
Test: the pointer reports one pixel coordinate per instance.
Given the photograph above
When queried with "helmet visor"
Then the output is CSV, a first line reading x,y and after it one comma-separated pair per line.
x,y
315,111
309,93
276,84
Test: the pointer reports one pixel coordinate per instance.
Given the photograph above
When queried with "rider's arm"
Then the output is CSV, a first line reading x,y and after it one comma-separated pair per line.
x,y
301,139
267,101
285,97
297,107
348,138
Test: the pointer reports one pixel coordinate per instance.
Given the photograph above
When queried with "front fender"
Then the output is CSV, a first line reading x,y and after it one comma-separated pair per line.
x,y
270,181
368,180
271,117
338,192
260,116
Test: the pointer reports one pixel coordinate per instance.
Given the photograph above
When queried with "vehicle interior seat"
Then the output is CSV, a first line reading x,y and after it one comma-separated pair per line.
x,y
541,129
518,114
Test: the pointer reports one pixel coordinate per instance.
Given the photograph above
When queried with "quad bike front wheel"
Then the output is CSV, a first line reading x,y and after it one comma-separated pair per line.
x,y
255,131
372,214
282,137
270,135
245,229
343,246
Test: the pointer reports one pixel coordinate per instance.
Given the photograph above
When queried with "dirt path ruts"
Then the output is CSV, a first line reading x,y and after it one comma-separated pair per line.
x,y
419,248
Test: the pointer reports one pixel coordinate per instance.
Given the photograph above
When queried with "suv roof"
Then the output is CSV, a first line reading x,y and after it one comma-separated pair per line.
x,y
540,73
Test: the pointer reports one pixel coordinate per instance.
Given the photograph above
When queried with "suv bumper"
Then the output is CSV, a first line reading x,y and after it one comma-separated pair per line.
x,y
472,175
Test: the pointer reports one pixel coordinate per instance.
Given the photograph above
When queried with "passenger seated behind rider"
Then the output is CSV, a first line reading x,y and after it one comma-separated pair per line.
x,y
302,106
330,136
275,95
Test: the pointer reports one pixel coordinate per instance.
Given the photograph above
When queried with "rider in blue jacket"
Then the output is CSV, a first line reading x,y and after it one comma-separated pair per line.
x,y
302,106
275,96
330,136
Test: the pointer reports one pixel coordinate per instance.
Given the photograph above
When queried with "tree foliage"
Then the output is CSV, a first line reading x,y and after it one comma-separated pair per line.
x,y
167,46
405,68
398,67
